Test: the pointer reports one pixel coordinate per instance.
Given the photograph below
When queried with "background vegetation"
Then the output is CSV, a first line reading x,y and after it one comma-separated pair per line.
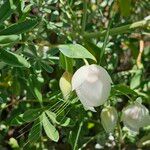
x,y
115,32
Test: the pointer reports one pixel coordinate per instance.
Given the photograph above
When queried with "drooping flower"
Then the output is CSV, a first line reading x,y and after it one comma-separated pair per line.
x,y
92,84
109,118
65,84
135,116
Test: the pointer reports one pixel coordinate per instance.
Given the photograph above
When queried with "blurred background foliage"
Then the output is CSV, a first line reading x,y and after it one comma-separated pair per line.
x,y
31,66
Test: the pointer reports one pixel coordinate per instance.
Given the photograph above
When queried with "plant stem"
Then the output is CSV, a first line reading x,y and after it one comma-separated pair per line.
x,y
78,133
85,61
118,30
84,16
105,42
119,136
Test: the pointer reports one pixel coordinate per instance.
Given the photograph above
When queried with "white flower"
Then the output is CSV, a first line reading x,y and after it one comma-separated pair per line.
x,y
109,119
92,84
135,116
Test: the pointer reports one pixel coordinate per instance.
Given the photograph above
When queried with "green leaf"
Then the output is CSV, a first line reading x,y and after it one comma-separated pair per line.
x,y
51,115
17,121
20,27
125,7
46,67
13,59
65,121
75,51
136,80
32,114
123,89
49,129
61,120
35,131
4,39
66,63
35,87
33,49
93,48
5,11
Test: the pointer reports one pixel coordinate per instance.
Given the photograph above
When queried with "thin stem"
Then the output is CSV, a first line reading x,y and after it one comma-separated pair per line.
x,y
84,15
85,61
77,137
105,42
119,136
91,139
118,30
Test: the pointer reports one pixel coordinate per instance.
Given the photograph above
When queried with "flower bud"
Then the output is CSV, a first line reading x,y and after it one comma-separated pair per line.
x,y
135,116
92,84
109,119
65,84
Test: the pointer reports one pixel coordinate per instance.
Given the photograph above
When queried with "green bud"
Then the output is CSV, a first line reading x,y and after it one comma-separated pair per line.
x,y
65,84
109,118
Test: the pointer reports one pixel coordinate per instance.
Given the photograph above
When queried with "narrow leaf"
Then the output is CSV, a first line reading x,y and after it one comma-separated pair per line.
x,y
4,39
51,115
46,67
49,129
19,28
35,87
5,11
13,59
18,120
35,131
124,89
32,114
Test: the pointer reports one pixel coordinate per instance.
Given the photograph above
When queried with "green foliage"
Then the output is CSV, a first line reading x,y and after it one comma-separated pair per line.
x,y
125,7
8,39
42,39
75,51
19,28
49,129
13,59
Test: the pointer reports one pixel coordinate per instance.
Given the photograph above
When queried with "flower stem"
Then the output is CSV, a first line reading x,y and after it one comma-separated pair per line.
x,y
77,137
119,136
119,30
85,61
84,15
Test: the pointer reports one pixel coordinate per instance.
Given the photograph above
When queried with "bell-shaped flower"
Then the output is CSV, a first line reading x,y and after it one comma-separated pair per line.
x,y
92,84
135,116
65,84
109,118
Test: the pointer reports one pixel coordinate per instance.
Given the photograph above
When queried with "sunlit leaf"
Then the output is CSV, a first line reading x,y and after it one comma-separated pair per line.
x,y
13,59
20,27
49,129
75,51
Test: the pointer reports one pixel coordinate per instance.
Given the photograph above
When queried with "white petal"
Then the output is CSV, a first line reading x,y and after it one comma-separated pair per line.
x,y
89,108
94,94
79,77
103,74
